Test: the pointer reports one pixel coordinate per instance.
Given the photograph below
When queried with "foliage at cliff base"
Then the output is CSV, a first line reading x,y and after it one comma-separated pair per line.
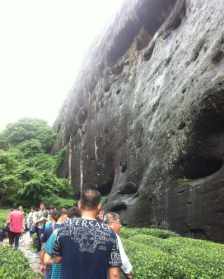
x,y
28,169
162,255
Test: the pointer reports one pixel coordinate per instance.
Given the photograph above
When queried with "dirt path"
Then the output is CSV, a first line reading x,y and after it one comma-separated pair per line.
x,y
26,248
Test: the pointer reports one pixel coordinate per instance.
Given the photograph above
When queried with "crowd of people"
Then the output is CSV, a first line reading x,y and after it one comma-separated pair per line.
x,y
81,242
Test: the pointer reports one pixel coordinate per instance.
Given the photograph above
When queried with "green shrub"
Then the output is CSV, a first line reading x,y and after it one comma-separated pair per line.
x,y
3,215
150,262
13,265
28,169
30,148
157,254
59,202
129,232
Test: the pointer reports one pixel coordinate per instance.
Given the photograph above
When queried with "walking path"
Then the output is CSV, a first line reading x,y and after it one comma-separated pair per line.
x,y
26,248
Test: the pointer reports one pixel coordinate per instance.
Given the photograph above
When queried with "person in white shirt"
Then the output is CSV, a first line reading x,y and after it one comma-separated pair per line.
x,y
29,220
113,220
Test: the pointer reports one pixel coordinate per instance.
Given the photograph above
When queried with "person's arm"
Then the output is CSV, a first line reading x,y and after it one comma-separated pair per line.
x,y
48,250
47,260
57,259
42,252
42,265
114,273
23,223
126,265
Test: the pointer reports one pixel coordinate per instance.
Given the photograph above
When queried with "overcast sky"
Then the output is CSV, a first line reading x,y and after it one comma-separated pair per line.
x,y
43,43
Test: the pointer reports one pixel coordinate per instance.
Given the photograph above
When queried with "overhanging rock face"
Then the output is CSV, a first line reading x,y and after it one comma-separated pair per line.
x,y
145,121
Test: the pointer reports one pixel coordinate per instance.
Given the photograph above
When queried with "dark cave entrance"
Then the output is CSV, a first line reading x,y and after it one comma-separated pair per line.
x,y
106,187
206,149
199,167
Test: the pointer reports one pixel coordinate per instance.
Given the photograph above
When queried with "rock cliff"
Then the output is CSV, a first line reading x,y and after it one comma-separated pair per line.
x,y
145,120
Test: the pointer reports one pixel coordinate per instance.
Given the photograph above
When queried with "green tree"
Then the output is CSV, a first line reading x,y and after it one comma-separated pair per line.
x,y
29,129
30,148
27,170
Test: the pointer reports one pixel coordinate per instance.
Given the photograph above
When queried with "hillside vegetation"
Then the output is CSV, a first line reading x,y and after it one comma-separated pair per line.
x,y
27,169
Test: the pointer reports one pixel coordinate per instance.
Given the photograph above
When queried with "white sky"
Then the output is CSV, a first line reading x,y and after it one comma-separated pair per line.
x,y
43,43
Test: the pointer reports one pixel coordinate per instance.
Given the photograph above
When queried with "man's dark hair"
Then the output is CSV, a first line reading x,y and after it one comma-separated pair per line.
x,y
90,199
74,212
55,214
64,211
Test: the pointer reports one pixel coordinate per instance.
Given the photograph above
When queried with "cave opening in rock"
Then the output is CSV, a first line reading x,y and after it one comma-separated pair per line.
x,y
118,207
199,167
105,188
205,152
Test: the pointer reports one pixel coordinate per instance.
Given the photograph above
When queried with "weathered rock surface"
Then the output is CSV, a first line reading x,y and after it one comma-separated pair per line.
x,y
145,121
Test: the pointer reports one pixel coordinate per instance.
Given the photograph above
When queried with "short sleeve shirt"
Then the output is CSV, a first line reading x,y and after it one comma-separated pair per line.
x,y
48,248
88,248
16,219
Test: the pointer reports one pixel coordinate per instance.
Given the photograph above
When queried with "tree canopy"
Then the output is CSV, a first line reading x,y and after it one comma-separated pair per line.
x,y
27,169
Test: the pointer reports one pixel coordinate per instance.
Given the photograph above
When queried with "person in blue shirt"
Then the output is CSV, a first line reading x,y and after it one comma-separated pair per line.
x,y
47,231
50,226
48,249
56,268
87,248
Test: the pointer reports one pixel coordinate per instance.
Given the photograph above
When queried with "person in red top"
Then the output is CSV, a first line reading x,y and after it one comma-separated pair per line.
x,y
16,223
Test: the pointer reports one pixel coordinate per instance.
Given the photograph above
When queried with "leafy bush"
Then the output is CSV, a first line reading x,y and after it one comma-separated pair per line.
x,y
27,171
126,232
59,202
13,265
3,215
30,148
42,162
156,256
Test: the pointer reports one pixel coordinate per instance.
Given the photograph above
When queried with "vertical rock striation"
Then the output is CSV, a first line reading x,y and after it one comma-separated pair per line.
x,y
145,121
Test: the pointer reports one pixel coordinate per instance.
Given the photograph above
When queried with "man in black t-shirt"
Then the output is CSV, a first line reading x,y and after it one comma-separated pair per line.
x,y
87,248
